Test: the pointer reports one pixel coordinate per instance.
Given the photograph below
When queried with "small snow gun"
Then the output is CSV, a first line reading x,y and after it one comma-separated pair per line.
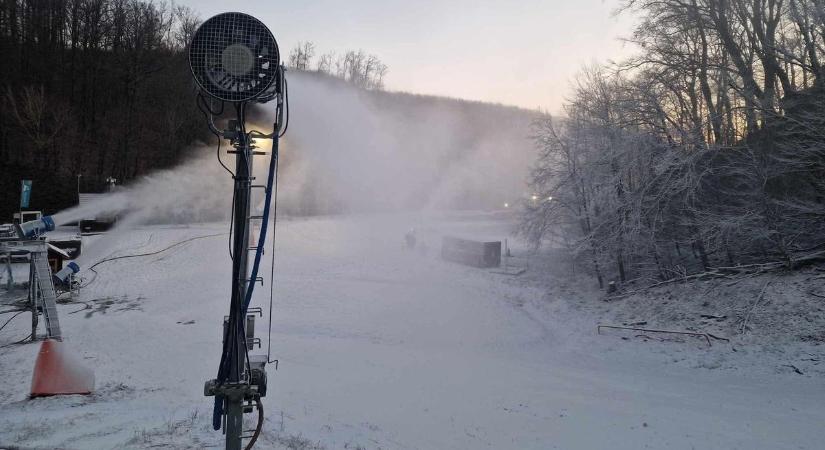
x,y
63,277
34,228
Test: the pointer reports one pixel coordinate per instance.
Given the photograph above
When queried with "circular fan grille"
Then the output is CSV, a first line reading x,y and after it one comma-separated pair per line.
x,y
234,57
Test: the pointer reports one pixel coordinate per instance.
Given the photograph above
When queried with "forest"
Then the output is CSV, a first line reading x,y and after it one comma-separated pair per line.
x,y
91,90
98,89
702,154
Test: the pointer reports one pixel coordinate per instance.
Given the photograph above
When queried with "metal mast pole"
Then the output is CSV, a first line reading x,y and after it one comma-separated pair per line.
x,y
32,296
240,283
241,382
234,58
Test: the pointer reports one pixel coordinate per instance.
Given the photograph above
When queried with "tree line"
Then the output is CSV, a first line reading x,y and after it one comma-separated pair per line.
x,y
97,88
359,68
706,149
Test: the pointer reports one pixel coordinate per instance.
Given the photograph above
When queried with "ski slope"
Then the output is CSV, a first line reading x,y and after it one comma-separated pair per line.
x,y
380,347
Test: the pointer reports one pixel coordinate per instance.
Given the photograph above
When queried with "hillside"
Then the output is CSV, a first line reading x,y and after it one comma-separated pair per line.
x,y
351,149
382,347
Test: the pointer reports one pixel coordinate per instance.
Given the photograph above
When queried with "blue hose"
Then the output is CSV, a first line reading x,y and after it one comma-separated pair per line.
x,y
217,410
273,163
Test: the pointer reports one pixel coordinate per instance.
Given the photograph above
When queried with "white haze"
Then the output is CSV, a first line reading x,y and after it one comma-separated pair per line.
x,y
348,150
196,191
353,150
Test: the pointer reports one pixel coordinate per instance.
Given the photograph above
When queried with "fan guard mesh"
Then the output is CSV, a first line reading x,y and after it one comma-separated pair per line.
x,y
234,57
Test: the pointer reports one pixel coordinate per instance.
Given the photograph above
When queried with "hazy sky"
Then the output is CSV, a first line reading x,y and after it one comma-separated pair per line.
x,y
520,52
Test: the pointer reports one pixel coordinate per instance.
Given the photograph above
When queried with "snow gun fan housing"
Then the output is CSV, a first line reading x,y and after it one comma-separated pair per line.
x,y
34,228
234,58
62,277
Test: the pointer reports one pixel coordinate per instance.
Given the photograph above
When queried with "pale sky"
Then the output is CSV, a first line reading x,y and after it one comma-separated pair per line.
x,y
522,52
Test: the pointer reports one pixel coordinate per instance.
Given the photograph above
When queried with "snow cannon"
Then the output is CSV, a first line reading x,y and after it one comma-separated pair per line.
x,y
62,277
36,227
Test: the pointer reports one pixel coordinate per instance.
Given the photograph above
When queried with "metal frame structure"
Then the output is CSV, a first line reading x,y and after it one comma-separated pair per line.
x,y
42,293
234,58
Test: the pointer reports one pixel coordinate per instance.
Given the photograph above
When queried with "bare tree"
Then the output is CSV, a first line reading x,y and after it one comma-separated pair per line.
x,y
300,57
93,87
325,62
703,149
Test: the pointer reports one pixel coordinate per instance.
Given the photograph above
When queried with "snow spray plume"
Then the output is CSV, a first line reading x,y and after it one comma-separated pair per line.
x,y
195,192
352,150
348,150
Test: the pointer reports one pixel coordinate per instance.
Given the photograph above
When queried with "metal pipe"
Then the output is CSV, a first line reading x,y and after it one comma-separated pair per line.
x,y
240,269
33,300
234,423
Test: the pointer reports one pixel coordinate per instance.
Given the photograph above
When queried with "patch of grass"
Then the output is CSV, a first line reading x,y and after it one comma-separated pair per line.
x,y
298,442
165,434
29,431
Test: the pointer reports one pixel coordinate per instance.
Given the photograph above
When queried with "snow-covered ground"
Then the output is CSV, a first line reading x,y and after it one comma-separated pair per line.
x,y
381,347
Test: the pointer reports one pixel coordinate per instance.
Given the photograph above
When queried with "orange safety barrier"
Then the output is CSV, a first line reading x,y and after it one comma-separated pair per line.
x,y
57,372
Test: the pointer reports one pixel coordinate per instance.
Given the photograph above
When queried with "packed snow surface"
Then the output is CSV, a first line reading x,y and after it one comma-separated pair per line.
x,y
381,347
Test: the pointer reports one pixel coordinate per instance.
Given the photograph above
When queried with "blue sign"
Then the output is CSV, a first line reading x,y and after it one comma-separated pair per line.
x,y
25,193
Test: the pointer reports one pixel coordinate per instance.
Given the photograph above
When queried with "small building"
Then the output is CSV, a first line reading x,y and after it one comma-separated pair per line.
x,y
57,257
471,253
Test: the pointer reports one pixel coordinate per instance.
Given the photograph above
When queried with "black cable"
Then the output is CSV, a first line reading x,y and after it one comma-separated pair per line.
x,y
216,113
272,266
155,252
240,325
18,342
242,322
202,100
257,428
286,107
247,159
208,113
275,225
237,328
82,286
245,346
92,267
229,345
231,225
84,308
12,317
203,109
220,161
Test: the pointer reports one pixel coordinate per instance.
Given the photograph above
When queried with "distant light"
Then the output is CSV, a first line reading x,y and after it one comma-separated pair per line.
x,y
506,205
535,197
549,199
